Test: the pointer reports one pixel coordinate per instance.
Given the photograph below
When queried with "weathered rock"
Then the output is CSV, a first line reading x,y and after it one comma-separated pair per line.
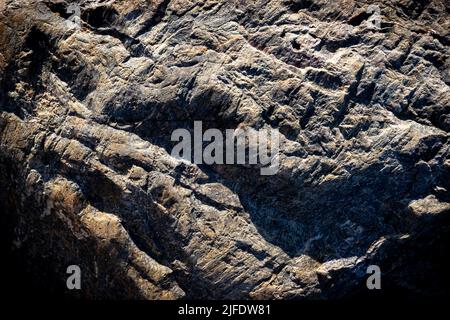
x,y
86,116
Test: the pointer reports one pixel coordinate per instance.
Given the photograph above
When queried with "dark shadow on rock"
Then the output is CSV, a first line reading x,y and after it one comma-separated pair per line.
x,y
334,219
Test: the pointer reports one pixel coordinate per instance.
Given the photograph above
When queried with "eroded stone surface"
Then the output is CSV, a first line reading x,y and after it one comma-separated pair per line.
x,y
87,114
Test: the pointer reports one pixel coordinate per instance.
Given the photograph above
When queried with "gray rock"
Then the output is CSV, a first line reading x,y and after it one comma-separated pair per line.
x,y
86,116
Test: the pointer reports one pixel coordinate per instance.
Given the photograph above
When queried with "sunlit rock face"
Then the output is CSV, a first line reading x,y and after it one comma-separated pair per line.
x,y
91,94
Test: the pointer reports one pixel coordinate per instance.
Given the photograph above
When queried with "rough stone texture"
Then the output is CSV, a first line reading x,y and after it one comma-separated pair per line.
x,y
87,178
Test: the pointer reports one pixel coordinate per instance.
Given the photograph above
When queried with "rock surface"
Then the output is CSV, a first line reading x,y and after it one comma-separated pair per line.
x,y
87,112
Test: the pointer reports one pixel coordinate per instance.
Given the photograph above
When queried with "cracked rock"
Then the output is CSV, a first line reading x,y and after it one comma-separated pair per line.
x,y
360,97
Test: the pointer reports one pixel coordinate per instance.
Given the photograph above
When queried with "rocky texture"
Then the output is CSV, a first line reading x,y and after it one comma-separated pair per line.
x,y
87,177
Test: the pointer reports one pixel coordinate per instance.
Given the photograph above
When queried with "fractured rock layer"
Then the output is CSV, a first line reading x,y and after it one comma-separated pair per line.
x,y
87,111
